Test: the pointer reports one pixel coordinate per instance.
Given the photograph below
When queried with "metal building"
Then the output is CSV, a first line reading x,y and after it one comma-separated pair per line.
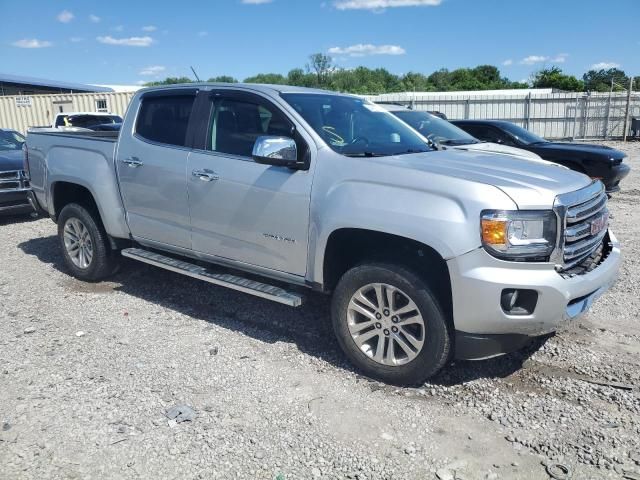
x,y
20,85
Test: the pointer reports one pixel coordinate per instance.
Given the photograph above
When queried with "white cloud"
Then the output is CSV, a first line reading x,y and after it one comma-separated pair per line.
x,y
118,28
65,16
94,18
152,70
128,42
560,58
256,2
203,34
378,5
149,28
507,63
76,39
533,59
31,43
604,66
361,50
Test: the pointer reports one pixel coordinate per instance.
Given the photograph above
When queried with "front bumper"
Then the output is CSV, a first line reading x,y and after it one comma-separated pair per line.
x,y
477,282
16,201
618,172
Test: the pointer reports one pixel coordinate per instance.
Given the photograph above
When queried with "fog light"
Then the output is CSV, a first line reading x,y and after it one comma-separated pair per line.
x,y
518,301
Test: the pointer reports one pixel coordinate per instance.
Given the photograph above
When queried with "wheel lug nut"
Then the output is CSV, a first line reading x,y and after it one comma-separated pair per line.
x,y
386,313
394,319
386,331
394,329
378,316
378,325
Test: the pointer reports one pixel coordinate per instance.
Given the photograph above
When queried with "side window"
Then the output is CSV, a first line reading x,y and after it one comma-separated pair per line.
x,y
478,131
236,124
165,119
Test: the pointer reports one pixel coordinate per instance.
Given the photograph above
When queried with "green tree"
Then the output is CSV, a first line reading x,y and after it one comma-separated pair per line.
x,y
321,65
553,77
270,78
415,82
299,78
170,81
223,79
600,80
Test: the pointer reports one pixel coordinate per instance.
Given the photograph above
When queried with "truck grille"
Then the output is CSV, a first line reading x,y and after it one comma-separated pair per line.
x,y
586,220
14,180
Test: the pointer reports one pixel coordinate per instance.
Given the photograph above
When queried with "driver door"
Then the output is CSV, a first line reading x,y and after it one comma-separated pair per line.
x,y
241,210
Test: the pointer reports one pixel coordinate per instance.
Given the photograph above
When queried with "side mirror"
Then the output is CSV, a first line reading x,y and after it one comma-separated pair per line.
x,y
277,151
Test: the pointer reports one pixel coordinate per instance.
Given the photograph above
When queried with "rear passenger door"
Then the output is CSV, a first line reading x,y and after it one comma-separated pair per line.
x,y
151,163
241,210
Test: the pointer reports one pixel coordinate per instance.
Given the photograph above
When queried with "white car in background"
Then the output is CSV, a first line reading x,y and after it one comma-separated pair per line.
x,y
82,122
448,135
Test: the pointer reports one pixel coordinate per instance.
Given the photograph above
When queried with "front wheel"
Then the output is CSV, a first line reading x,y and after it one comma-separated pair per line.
x,y
390,325
85,245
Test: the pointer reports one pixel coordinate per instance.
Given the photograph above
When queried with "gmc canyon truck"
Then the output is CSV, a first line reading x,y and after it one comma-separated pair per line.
x,y
429,254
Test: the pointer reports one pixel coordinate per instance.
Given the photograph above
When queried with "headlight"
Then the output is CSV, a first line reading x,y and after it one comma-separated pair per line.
x,y
519,235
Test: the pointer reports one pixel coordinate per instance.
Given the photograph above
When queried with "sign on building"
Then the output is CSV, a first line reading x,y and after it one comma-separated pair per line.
x,y
23,102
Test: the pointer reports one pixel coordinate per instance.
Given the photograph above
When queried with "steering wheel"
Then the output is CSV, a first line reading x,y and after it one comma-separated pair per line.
x,y
331,131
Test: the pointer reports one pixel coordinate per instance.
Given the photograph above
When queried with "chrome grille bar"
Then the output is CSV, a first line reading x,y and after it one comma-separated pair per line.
x,y
587,209
578,212
584,247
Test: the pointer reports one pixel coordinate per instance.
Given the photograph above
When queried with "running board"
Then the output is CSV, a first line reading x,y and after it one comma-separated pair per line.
x,y
233,282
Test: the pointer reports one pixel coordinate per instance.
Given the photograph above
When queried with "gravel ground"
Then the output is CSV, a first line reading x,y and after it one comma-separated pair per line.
x,y
88,373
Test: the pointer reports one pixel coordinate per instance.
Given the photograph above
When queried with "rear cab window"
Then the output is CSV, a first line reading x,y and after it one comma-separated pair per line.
x,y
165,118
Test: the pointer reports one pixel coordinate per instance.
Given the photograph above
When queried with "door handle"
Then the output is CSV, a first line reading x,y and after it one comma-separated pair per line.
x,y
206,175
132,162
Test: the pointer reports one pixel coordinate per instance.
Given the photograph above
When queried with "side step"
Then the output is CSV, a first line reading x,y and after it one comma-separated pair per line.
x,y
234,282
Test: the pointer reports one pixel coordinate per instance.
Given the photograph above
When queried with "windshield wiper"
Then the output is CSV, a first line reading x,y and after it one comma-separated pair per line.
x,y
364,154
458,141
405,152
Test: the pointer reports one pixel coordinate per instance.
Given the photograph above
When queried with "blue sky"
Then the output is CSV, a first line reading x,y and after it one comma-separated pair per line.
x,y
128,42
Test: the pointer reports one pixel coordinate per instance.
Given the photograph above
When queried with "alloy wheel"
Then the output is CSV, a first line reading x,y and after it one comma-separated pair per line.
x,y
386,324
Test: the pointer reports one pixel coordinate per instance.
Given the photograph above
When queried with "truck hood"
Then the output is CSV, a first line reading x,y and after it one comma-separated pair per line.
x,y
531,184
11,160
584,150
489,147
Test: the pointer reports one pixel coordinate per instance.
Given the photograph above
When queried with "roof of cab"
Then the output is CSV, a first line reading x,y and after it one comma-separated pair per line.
x,y
259,87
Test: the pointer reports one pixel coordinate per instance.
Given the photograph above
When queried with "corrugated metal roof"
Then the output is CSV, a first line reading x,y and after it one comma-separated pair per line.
x,y
20,79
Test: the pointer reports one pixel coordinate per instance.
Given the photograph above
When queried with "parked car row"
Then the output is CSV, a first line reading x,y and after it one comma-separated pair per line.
x,y
433,246
14,184
597,161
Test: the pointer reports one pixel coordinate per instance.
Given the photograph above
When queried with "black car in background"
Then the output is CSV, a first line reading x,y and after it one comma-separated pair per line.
x,y
597,161
14,185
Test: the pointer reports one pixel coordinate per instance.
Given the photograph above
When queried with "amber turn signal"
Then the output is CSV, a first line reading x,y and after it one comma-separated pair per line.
x,y
494,232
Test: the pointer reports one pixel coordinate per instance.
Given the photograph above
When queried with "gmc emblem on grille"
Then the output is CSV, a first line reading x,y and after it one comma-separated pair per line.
x,y
599,223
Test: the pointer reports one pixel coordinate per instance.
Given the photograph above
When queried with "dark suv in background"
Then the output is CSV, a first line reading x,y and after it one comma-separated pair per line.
x,y
597,161
14,184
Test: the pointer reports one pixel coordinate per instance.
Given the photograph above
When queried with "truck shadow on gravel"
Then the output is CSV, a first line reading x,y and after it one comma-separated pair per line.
x,y
308,327
16,219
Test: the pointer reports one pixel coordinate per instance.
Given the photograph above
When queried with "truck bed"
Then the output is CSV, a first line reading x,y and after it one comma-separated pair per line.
x,y
80,158
105,136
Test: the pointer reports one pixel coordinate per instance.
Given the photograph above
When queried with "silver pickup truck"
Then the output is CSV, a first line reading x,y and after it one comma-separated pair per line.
x,y
429,254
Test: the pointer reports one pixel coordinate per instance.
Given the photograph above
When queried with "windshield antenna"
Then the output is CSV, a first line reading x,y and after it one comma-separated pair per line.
x,y
195,74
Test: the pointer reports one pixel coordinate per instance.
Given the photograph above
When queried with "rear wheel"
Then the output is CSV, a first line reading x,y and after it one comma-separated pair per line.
x,y
390,325
85,245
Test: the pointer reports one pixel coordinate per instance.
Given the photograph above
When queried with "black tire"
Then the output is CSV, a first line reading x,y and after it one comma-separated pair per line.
x,y
437,345
104,261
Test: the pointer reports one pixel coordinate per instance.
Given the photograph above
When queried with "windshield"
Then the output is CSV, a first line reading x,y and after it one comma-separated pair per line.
x,y
524,136
11,140
355,127
435,128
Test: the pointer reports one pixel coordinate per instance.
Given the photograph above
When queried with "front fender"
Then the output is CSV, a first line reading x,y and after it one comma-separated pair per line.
x,y
444,216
